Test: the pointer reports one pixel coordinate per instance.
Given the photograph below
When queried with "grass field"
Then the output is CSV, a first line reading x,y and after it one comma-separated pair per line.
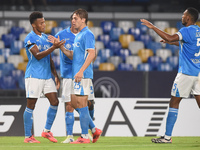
x,y
104,143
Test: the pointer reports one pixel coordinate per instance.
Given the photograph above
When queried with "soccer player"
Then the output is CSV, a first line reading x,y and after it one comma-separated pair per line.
x,y
69,35
186,81
82,73
38,78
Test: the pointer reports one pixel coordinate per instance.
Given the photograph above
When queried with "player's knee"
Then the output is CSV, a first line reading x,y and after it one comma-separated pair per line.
x,y
55,103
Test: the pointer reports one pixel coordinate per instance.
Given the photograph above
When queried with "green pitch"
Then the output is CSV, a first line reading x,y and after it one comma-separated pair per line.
x,y
104,143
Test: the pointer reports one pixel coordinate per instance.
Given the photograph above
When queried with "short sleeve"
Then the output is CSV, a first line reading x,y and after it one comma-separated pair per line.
x,y
89,41
184,34
29,42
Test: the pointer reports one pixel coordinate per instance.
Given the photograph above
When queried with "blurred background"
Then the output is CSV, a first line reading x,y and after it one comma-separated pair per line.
x,y
131,61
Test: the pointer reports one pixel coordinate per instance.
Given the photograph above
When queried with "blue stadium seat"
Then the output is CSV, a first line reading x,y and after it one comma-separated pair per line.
x,y
56,60
179,25
165,67
8,39
173,48
125,67
143,29
55,30
7,68
97,62
146,39
65,24
16,46
135,32
6,52
173,61
105,38
115,46
17,31
154,61
107,26
144,67
8,82
18,75
123,53
115,32
105,54
154,46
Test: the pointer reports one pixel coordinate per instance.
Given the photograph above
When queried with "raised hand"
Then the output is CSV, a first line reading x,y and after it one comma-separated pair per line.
x,y
147,23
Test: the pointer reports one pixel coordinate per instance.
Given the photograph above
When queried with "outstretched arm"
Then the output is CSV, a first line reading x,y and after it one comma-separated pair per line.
x,y
167,37
171,43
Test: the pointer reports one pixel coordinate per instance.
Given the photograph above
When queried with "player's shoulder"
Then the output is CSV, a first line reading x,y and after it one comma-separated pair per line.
x,y
64,31
88,32
30,36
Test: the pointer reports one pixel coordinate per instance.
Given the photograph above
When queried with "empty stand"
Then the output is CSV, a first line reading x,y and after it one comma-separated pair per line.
x,y
123,53
135,46
49,25
106,67
2,59
23,54
99,45
135,32
8,39
154,46
26,25
115,46
163,53
96,31
173,61
125,39
55,30
6,68
90,23
105,38
144,67
116,60
22,66
2,45
115,32
105,54
97,62
8,82
6,52
165,67
16,46
107,26
154,61
144,54
143,29
17,31
125,25
22,36
3,30
134,61
15,59
125,67
65,24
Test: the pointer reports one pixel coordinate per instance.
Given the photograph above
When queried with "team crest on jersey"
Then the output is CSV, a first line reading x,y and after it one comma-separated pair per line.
x,y
68,46
28,42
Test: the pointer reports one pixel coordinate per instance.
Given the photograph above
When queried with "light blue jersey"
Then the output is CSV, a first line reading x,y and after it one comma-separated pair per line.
x,y
84,40
65,62
189,50
39,69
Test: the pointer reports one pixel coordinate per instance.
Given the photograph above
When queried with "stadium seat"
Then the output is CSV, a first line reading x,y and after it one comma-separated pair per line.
x,y
22,36
154,46
2,45
115,32
56,60
115,46
55,30
105,38
6,52
107,26
97,62
163,53
179,25
8,23
16,46
116,60
15,59
105,54
123,53
23,54
99,45
8,82
135,32
26,25
17,31
65,24
125,25
6,68
198,23
8,39
146,39
2,59
171,30
49,25
134,61
106,67
173,61
144,54
154,61
90,24
173,48
143,29
144,67
165,67
3,30
162,24
125,39
96,31
22,66
135,46
125,67
18,75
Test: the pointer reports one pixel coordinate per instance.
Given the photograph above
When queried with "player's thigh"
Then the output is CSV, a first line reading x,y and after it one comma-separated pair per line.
x,y
182,85
34,87
66,90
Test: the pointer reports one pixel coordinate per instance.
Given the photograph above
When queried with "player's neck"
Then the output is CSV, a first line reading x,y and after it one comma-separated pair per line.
x,y
83,26
37,32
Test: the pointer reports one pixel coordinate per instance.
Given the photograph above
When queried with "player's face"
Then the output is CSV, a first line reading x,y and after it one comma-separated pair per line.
x,y
77,22
39,25
185,18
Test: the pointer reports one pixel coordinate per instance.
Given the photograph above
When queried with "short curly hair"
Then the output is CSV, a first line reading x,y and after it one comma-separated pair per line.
x,y
34,16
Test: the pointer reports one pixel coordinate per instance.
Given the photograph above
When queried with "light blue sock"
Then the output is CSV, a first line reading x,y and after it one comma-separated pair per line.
x,y
84,119
69,118
51,114
171,119
28,121
91,113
